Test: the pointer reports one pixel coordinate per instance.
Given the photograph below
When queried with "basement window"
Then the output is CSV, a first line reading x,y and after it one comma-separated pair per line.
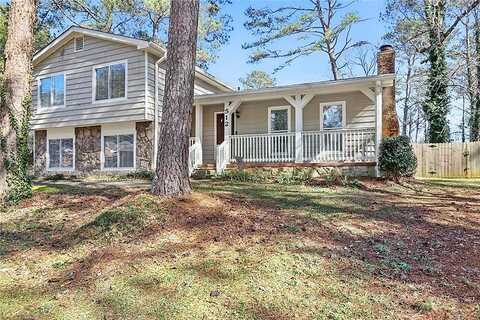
x,y
60,154
118,151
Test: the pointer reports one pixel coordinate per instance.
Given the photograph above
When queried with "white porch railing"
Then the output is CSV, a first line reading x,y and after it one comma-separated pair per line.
x,y
339,145
194,155
271,147
222,156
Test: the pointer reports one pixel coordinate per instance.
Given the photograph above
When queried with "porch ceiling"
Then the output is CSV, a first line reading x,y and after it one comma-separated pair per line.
x,y
315,88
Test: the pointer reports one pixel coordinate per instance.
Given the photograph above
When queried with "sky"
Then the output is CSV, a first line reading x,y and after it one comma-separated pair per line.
x,y
233,64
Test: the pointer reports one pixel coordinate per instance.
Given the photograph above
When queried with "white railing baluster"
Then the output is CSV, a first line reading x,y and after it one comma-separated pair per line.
x,y
318,146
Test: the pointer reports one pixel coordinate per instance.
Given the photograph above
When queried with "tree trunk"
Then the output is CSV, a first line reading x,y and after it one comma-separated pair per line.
x,y
436,106
406,107
470,81
16,85
171,176
475,115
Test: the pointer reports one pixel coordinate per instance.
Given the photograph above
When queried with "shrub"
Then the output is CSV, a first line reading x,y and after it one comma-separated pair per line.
x,y
241,176
396,158
141,174
295,176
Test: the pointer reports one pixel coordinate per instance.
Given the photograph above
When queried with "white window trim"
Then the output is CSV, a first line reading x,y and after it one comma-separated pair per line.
x,y
289,118
118,133
75,43
50,75
60,169
94,82
344,114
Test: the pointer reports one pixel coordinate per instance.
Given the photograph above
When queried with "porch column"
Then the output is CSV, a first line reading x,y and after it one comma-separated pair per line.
x,y
299,102
378,123
298,134
226,132
199,129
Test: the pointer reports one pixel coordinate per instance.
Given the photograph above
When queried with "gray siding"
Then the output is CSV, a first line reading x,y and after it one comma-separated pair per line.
x,y
151,86
201,87
78,69
360,110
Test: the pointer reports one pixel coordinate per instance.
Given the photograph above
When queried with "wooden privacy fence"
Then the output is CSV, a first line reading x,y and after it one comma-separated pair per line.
x,y
448,160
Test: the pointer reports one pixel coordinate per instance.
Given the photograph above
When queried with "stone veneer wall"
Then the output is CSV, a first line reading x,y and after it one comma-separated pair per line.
x,y
144,150
40,165
87,149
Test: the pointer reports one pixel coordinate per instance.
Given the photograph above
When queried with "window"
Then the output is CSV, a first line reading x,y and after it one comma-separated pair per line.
x,y
60,153
332,115
79,43
279,119
52,91
110,82
118,151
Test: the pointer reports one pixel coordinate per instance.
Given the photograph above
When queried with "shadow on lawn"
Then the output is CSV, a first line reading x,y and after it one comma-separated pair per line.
x,y
415,239
400,239
57,208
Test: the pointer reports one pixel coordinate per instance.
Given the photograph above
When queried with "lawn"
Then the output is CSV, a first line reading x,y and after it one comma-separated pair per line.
x,y
243,251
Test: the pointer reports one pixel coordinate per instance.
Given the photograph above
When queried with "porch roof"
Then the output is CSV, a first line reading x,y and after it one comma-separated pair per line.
x,y
329,86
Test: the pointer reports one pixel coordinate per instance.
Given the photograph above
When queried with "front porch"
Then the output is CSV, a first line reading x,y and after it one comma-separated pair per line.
x,y
323,124
327,146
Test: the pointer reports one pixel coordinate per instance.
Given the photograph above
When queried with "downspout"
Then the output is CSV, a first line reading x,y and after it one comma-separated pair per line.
x,y
156,103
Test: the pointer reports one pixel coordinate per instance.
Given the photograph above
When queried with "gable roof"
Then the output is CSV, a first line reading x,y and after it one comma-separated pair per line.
x,y
149,46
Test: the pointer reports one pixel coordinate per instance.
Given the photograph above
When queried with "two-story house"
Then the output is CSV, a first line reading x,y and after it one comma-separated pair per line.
x,y
97,100
94,97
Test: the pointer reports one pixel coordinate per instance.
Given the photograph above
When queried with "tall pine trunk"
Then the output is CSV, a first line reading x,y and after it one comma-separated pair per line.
x,y
475,112
171,176
436,106
15,104
406,102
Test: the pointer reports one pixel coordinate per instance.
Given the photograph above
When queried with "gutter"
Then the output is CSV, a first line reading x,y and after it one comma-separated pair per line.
x,y
156,107
310,87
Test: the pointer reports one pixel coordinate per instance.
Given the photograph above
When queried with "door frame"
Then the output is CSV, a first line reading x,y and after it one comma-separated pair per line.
x,y
215,132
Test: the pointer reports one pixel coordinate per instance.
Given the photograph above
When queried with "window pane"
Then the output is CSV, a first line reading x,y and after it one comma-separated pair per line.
x,y
332,117
78,43
54,153
58,90
67,153
110,151
279,120
126,150
117,81
101,91
45,87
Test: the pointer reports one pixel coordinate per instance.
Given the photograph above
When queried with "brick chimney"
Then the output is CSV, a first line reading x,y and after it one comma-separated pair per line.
x,y
386,65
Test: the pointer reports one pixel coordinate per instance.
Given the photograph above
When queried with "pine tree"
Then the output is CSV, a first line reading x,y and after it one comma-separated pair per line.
x,y
171,176
15,102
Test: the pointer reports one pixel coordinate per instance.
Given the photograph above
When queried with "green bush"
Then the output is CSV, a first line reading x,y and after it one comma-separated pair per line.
x,y
396,158
295,176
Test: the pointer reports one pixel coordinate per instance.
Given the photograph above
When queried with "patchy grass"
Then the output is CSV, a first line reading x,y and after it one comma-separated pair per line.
x,y
243,251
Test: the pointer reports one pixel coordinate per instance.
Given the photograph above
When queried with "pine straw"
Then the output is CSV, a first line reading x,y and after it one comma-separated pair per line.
x,y
244,251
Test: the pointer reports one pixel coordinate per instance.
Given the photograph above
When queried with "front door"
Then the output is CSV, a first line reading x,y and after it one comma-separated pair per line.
x,y
220,134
